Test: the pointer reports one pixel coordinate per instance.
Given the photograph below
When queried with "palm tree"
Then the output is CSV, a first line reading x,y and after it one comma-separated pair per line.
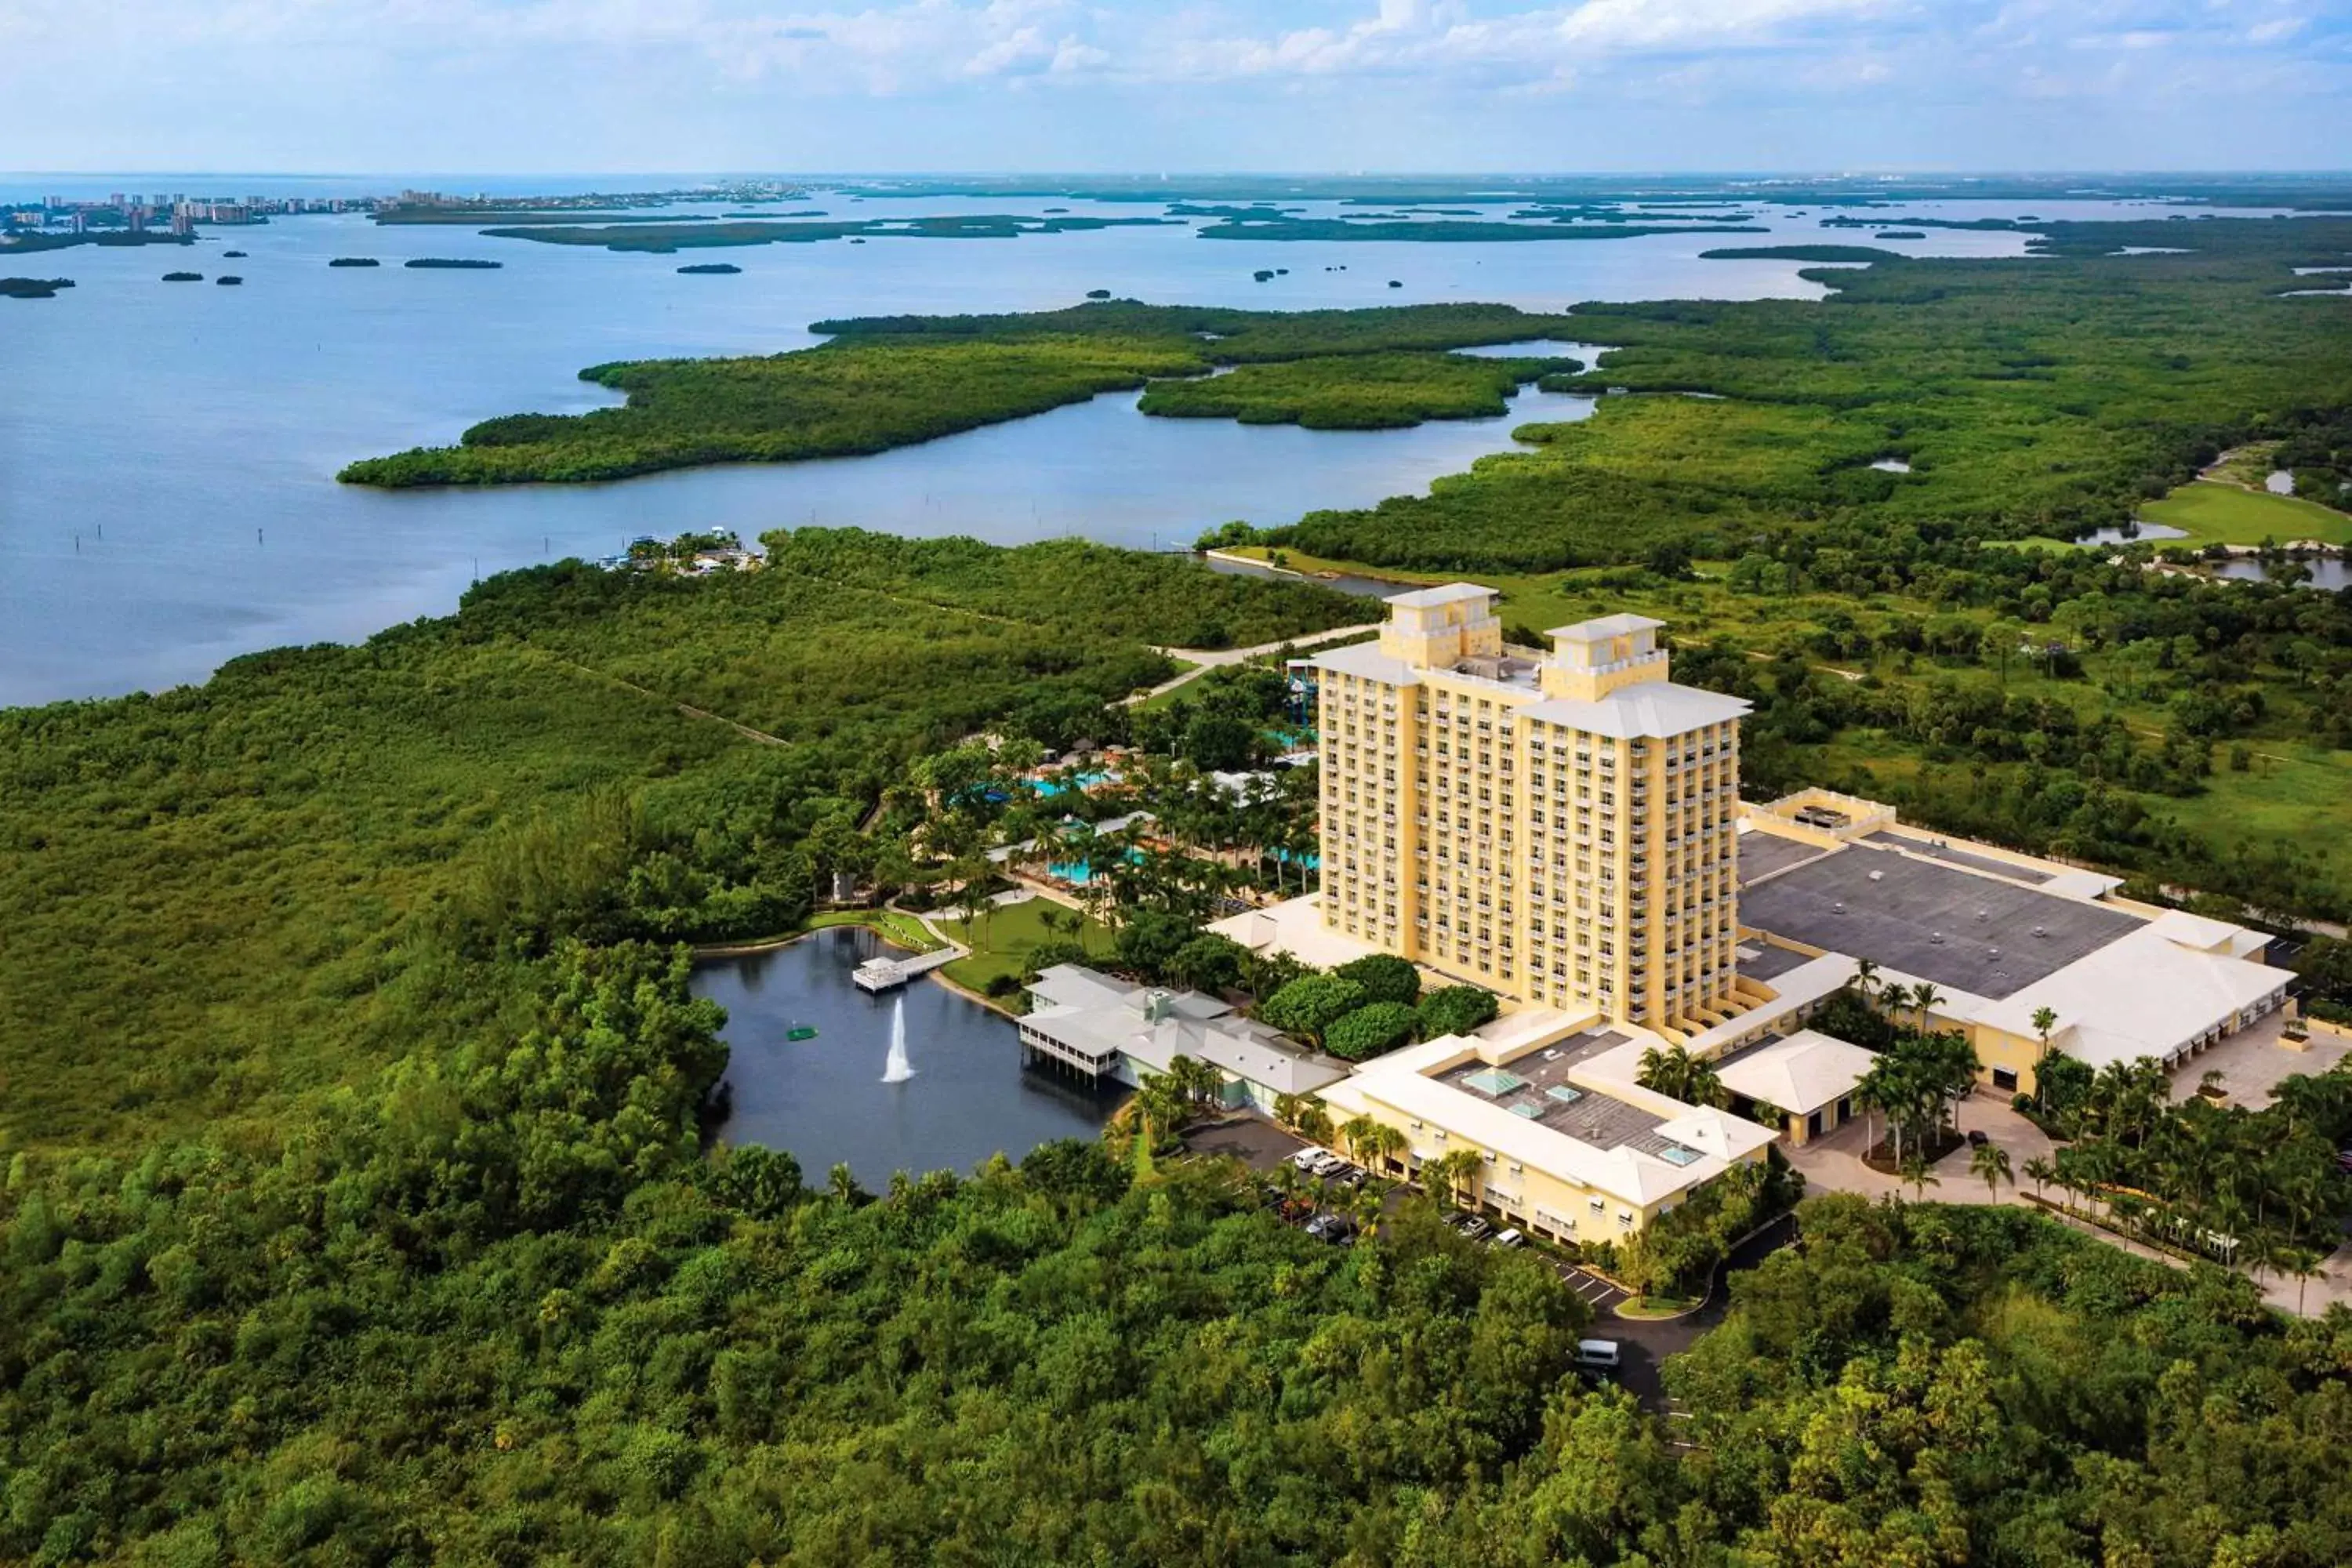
x,y
1678,1075
1160,1107
1355,1132
1387,1143
2040,1171
1286,1109
1916,1173
1866,978
1449,1177
1988,1163
841,1182
1195,1080
2305,1265
2270,1250
1315,1125
2044,1020
1926,998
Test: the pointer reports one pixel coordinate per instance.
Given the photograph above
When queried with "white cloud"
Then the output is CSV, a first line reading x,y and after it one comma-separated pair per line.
x,y
1678,48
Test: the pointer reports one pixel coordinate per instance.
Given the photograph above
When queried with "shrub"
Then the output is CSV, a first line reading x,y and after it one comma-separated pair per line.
x,y
1371,1031
1456,1010
1384,977
1311,1004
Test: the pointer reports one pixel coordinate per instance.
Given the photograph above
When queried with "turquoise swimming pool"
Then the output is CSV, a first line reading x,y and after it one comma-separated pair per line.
x,y
1083,782
1078,873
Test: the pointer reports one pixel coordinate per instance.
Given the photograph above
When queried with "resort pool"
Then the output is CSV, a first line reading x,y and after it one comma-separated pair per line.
x,y
1078,873
1083,782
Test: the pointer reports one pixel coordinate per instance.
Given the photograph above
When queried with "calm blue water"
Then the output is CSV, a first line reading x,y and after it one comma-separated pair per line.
x,y
167,453
2330,574
823,1099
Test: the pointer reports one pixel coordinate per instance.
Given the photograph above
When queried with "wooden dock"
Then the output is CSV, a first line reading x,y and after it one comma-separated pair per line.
x,y
876,975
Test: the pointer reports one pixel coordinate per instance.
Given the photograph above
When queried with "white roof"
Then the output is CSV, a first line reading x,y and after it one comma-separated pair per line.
x,y
1294,926
1657,709
1099,1015
1366,660
2211,935
2143,994
1801,1074
1430,598
1604,626
1402,1081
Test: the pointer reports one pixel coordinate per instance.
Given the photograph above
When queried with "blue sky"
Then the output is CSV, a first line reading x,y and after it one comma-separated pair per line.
x,y
1032,84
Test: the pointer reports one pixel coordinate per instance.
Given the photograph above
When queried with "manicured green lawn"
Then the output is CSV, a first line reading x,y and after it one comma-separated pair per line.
x,y
902,929
2224,514
1002,941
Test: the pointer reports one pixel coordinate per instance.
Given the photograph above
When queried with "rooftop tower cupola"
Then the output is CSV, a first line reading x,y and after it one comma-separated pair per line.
x,y
1437,629
1592,659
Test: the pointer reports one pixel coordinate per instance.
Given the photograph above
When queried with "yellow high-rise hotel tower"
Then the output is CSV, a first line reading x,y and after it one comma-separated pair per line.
x,y
1558,829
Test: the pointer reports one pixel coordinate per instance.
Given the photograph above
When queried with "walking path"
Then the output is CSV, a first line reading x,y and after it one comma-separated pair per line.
x,y
687,709
1216,658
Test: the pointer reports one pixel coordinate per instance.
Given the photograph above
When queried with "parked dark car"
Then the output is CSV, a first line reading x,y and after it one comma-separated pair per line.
x,y
1976,1139
1332,1228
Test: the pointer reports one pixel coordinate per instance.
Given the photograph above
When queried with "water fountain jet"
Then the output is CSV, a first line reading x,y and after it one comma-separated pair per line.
x,y
899,1069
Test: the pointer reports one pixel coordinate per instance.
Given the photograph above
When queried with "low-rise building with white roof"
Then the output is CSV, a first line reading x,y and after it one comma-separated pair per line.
x,y
1102,1026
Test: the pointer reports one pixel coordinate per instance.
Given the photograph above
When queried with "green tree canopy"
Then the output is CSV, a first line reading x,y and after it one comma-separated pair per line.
x,y
1384,977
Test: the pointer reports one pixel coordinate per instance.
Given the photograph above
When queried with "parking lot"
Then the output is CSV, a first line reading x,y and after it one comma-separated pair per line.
x,y
1643,1343
1254,1141
1590,1288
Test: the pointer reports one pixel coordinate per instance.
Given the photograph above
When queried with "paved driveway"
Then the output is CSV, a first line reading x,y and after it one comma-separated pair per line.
x,y
1646,1344
1833,1162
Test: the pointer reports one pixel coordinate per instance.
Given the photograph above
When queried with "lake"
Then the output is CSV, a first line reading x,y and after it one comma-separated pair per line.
x,y
169,452
823,1099
2330,574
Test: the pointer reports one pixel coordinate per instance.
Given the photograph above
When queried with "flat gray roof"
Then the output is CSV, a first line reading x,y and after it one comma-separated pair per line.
x,y
1762,853
1768,960
1591,1117
1938,923
1985,863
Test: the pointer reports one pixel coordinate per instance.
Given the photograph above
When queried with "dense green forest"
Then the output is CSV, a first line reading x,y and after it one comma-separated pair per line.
x,y
1362,391
663,236
1445,230
2312,193
1862,253
494,1306
887,382
219,895
2046,395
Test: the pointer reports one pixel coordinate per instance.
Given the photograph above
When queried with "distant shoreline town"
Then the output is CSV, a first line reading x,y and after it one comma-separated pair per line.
x,y
182,213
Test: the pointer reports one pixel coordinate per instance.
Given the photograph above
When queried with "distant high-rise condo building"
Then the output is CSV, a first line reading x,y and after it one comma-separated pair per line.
x,y
1557,827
